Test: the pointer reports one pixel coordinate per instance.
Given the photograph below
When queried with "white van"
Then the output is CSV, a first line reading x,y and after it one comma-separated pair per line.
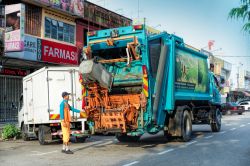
x,y
39,115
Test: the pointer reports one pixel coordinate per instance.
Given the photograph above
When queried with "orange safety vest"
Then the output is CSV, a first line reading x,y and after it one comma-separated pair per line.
x,y
67,116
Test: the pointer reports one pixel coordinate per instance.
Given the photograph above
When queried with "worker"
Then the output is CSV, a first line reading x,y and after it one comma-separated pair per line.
x,y
65,117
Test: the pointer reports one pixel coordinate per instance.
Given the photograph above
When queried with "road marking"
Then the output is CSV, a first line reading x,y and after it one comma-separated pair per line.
x,y
106,143
166,151
208,137
133,163
40,154
189,143
223,132
242,125
232,129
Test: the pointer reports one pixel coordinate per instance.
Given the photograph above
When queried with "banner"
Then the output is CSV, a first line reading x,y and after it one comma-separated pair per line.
x,y
75,7
59,53
31,49
191,72
14,32
13,72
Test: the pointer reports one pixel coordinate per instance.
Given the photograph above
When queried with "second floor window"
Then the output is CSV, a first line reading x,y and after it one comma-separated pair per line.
x,y
59,30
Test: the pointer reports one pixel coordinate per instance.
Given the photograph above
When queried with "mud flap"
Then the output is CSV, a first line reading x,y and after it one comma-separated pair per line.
x,y
175,124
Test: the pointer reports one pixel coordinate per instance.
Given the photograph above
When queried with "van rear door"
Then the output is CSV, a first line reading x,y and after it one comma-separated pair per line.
x,y
58,81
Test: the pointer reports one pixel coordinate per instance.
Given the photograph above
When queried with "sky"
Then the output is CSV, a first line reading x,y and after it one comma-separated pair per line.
x,y
196,21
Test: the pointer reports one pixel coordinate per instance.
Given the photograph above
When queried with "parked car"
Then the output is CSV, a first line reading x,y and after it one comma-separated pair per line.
x,y
246,105
231,107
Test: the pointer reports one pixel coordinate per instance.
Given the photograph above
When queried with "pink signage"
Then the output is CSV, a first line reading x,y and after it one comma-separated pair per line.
x,y
14,46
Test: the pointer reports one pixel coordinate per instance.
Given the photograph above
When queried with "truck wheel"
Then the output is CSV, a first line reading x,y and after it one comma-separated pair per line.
x,y
44,134
186,126
216,121
25,133
124,138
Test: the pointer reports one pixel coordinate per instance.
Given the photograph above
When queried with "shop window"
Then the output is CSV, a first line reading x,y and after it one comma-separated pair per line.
x,y
66,33
47,27
54,27
59,30
33,20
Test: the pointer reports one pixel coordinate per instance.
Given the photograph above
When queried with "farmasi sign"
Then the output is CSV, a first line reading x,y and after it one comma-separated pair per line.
x,y
58,53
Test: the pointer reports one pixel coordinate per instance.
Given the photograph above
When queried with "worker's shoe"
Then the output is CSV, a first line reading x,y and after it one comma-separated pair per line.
x,y
68,152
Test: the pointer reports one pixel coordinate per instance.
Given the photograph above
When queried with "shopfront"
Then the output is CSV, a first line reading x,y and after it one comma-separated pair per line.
x,y
11,91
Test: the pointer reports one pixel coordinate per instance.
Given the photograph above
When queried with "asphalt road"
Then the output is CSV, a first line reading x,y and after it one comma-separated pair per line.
x,y
230,147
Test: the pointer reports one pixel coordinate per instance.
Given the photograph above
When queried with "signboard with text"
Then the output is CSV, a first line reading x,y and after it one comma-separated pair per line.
x,y
58,53
31,49
14,32
13,72
75,7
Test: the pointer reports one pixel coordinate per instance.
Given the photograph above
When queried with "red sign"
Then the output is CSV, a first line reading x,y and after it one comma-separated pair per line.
x,y
59,53
13,72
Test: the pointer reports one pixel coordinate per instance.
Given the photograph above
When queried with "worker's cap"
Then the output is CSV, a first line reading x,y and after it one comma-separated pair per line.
x,y
65,94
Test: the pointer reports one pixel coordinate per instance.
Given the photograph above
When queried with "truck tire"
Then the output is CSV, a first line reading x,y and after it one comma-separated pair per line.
x,y
216,121
44,134
124,138
25,132
186,126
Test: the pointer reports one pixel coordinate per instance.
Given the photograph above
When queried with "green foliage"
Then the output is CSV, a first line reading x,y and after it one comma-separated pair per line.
x,y
10,131
242,12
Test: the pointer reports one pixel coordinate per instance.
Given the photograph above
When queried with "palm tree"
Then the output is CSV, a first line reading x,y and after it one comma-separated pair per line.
x,y
242,12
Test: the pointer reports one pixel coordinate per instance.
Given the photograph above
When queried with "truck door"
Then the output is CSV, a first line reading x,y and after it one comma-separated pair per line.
x,y
214,90
77,90
158,60
58,82
29,112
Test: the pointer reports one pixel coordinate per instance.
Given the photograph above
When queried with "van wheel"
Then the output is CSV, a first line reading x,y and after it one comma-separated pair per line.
x,y
124,138
216,121
186,126
25,132
44,134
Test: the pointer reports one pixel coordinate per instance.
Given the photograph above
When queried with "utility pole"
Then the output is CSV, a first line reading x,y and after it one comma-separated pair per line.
x,y
138,10
238,76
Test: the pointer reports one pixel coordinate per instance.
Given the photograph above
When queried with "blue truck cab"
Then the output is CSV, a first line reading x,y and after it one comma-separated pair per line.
x,y
139,82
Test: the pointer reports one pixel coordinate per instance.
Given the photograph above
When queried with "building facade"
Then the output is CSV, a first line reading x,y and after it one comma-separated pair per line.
x,y
42,33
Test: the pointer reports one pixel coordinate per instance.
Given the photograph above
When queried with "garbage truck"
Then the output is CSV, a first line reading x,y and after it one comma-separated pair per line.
x,y
139,83
39,111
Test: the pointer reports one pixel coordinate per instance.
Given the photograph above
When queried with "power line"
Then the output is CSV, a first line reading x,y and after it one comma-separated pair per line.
x,y
229,56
